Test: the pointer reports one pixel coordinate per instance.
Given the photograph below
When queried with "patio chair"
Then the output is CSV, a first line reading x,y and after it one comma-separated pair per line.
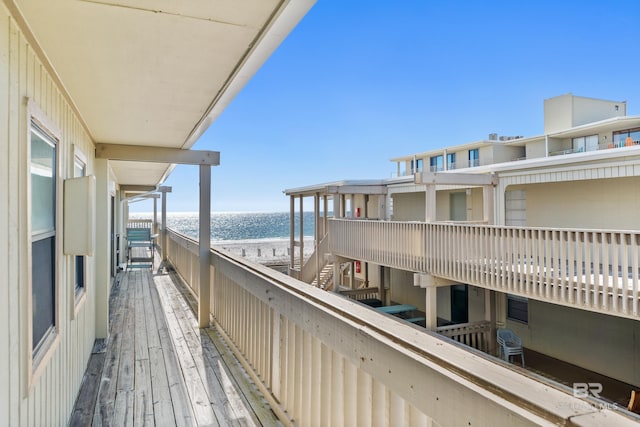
x,y
510,345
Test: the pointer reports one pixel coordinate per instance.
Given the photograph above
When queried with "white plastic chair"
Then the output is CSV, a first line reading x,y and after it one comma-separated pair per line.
x,y
510,345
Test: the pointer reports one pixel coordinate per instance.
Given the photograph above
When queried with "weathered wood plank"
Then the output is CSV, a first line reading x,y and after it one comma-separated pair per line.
x,y
228,370
183,412
161,396
104,412
200,402
223,402
88,395
143,401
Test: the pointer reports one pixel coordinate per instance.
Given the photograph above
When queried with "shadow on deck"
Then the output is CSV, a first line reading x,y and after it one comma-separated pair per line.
x,y
159,368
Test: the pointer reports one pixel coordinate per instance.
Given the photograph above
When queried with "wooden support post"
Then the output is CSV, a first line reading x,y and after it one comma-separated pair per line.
x,y
301,230
102,267
430,203
292,230
431,308
316,232
154,229
164,225
487,204
205,246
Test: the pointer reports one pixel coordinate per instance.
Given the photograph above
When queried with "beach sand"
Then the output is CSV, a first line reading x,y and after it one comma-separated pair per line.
x,y
263,251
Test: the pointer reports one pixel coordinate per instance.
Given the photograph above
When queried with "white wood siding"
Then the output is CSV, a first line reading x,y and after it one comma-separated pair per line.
x,y
51,398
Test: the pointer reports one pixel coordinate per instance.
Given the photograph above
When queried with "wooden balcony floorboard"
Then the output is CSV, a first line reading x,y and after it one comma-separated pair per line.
x,y
159,368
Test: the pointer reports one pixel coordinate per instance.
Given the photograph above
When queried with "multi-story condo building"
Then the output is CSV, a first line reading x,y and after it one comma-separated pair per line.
x,y
538,235
99,100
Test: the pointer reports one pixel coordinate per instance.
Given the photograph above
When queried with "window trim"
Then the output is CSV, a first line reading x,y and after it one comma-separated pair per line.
x,y
474,161
38,361
78,296
518,299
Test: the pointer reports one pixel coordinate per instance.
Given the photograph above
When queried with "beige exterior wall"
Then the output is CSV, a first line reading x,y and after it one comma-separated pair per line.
x,y
486,155
593,204
566,111
605,344
50,397
535,150
404,292
474,204
503,153
408,207
557,113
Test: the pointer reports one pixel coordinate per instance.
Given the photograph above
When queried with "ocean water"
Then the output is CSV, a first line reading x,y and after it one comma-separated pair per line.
x,y
238,226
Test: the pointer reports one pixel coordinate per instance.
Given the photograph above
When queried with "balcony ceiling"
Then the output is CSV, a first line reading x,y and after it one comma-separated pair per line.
x,y
156,73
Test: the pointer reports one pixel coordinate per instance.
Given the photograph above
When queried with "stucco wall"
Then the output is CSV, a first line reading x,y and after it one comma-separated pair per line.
x,y
596,204
408,207
605,344
404,292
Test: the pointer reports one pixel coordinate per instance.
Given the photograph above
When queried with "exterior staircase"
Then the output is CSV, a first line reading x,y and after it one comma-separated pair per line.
x,y
325,281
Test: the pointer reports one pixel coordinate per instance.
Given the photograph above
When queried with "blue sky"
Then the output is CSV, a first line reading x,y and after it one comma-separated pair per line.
x,y
359,82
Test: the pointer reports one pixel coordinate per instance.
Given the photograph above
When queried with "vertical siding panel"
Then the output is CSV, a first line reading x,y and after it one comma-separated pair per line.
x,y
53,395
5,353
17,259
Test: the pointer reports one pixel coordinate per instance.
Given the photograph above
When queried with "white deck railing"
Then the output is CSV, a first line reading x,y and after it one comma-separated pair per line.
x,y
474,334
594,270
321,359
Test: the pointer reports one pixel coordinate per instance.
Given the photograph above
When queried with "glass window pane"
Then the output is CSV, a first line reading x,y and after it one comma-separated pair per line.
x,y
43,159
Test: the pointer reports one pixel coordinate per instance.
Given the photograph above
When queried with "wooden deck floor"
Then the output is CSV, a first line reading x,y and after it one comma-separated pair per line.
x,y
160,369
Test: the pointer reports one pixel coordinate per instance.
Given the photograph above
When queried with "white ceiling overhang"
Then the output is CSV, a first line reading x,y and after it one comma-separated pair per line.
x,y
155,73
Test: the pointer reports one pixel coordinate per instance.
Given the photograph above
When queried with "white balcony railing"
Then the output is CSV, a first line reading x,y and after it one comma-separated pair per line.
x,y
594,270
475,334
322,359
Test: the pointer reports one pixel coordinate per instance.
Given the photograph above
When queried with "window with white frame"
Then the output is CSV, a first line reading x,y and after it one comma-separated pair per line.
x,y
436,163
584,143
416,165
451,161
43,191
474,158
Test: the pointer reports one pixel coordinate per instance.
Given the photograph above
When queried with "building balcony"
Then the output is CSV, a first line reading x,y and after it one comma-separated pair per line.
x,y
595,270
316,357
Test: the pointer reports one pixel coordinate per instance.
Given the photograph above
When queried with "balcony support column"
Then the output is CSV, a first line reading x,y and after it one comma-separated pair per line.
x,y
204,301
301,236
490,315
102,267
337,206
431,308
487,204
154,229
316,232
430,203
163,237
500,309
292,230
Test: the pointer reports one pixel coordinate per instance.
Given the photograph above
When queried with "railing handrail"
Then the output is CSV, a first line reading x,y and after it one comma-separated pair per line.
x,y
481,224
475,326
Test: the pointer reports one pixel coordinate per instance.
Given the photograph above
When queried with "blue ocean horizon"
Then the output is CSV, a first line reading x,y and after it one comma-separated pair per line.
x,y
238,226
